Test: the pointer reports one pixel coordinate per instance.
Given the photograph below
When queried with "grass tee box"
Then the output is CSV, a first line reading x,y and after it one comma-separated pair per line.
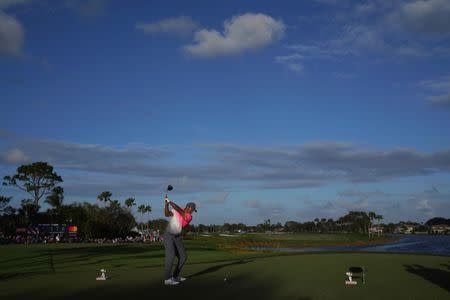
x,y
135,270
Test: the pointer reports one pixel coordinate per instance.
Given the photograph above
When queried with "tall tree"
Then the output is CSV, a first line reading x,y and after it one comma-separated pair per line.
x,y
29,209
372,216
130,202
4,201
37,179
56,198
104,196
379,218
357,221
158,224
437,221
143,209
115,204
8,218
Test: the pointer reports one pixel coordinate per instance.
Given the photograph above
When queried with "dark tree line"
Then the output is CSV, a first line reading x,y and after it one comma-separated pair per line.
x,y
40,181
113,219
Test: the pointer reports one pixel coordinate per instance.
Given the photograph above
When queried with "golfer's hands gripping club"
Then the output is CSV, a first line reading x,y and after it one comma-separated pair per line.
x,y
166,200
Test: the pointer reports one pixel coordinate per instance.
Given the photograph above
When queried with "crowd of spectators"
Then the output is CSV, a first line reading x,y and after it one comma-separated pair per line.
x,y
36,237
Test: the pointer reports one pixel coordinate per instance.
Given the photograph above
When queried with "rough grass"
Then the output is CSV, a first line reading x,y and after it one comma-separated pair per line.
x,y
68,271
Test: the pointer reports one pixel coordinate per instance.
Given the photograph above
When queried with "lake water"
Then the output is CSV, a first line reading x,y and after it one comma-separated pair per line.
x,y
426,244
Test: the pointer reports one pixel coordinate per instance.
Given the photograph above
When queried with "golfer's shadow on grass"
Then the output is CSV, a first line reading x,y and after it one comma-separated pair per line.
x,y
436,276
218,267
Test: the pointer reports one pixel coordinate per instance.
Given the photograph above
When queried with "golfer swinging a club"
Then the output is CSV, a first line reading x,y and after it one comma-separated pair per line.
x,y
172,239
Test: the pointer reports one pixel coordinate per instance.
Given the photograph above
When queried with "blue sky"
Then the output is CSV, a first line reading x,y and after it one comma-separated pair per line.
x,y
253,109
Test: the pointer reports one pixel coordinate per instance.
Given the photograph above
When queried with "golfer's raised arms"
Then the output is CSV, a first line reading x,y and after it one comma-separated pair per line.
x,y
178,209
167,212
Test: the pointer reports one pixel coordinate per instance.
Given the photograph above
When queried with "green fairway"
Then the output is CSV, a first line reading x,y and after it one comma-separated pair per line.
x,y
69,271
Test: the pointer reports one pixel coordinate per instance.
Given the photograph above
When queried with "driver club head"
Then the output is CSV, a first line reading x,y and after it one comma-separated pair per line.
x,y
169,188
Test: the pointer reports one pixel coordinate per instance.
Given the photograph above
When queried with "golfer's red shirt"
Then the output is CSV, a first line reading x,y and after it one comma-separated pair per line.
x,y
183,221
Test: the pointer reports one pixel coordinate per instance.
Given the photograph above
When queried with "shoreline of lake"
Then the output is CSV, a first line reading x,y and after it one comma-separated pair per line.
x,y
413,244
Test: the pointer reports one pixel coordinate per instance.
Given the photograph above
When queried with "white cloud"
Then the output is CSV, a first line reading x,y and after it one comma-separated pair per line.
x,y
16,156
316,209
357,39
266,210
354,40
440,100
292,62
440,89
220,198
384,29
252,203
182,25
441,50
418,206
426,16
11,36
362,194
290,167
437,85
241,33
361,204
364,9
410,51
424,207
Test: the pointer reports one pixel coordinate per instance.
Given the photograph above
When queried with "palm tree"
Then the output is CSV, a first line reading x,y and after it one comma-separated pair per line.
x,y
104,197
130,202
114,204
372,216
379,218
143,209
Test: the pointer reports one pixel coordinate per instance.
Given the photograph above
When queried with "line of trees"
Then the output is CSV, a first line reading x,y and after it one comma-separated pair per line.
x,y
354,221
109,220
113,219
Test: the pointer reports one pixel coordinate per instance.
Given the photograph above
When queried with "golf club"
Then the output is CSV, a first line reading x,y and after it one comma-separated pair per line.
x,y
169,188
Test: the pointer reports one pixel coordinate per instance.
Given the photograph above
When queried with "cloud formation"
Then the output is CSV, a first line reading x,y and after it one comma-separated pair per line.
x,y
293,62
11,36
440,90
440,100
358,194
419,206
327,162
220,198
290,167
16,157
315,209
68,155
426,16
266,210
182,26
241,33
385,29
144,171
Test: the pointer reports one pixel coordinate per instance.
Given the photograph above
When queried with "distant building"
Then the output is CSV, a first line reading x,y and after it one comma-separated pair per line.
x,y
405,229
376,230
440,229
